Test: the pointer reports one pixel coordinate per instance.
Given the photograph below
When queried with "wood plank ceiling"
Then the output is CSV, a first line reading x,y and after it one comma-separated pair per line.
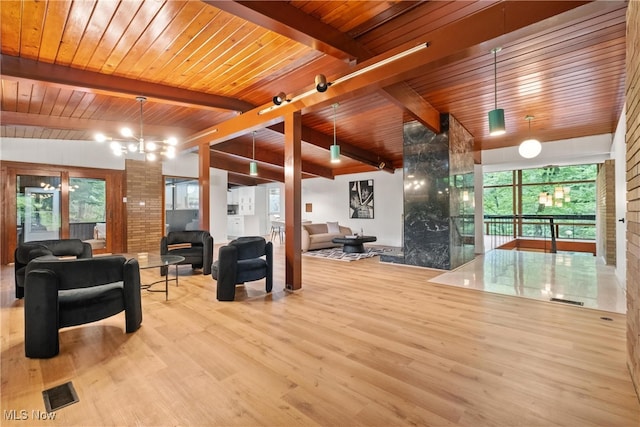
x,y
70,69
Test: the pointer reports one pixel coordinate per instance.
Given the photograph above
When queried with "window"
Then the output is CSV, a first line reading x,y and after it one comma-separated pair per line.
x,y
549,191
274,201
182,203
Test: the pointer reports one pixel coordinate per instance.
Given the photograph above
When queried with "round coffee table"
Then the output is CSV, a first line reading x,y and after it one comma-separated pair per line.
x,y
146,261
354,245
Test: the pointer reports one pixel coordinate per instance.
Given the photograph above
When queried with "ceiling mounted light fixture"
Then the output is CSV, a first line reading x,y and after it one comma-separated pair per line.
x,y
335,148
496,116
529,148
253,166
138,144
321,83
280,98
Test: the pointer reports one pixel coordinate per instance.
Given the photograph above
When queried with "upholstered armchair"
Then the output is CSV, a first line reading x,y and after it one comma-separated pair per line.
x,y
196,246
28,251
244,259
59,293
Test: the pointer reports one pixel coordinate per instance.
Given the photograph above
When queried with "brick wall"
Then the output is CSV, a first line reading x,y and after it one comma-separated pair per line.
x,y
606,205
633,190
144,206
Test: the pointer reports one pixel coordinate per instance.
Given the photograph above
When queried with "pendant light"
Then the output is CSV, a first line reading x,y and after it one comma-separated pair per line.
x,y
335,148
253,166
529,148
496,116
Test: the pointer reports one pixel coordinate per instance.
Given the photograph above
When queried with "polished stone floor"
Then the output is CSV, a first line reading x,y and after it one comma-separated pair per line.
x,y
566,276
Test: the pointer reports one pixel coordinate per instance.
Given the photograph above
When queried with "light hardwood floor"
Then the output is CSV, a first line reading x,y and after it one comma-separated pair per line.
x,y
362,344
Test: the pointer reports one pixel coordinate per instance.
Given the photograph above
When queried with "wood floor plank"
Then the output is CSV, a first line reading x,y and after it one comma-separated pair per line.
x,y
361,344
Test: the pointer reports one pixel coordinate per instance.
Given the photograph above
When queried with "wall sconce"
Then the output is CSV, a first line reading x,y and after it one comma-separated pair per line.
x,y
496,116
280,98
321,83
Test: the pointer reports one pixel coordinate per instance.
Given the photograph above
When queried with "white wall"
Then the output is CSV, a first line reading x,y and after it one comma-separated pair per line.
x,y
574,151
619,150
59,152
218,205
330,199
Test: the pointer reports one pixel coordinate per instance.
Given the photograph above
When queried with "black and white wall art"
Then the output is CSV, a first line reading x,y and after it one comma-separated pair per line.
x,y
361,199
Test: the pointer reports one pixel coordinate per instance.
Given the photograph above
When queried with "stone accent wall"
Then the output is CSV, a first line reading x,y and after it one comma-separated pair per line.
x,y
633,190
606,205
144,206
438,195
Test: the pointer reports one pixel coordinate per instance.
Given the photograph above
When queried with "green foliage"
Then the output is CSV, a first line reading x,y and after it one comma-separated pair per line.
x,y
579,196
87,201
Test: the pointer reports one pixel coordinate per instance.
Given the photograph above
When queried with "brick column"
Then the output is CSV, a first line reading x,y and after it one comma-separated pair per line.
x,y
144,206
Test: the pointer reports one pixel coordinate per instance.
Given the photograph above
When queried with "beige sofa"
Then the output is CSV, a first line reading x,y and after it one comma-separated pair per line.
x,y
317,236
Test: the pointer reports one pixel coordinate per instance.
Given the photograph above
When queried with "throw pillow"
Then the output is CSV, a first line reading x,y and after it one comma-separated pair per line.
x,y
333,228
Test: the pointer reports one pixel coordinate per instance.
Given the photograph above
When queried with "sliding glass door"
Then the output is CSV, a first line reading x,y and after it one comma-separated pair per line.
x,y
38,207
43,202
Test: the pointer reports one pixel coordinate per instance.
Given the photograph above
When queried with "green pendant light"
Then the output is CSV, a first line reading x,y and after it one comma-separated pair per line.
x,y
496,116
335,148
253,166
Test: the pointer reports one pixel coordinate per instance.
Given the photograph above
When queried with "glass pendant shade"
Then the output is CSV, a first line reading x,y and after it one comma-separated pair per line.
x,y
530,148
496,122
253,169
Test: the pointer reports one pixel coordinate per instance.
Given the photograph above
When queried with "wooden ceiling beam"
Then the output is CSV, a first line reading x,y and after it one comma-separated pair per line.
x,y
244,180
321,140
289,21
241,147
74,123
495,25
14,68
232,164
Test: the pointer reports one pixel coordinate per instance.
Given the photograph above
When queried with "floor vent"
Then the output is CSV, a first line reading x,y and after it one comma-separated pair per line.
x,y
59,397
567,301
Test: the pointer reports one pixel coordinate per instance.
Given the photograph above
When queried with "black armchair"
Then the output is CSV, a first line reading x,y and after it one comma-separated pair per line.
x,y
69,292
196,246
243,260
28,251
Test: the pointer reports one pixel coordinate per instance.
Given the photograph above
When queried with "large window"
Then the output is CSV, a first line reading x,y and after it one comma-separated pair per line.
x,y
564,192
182,202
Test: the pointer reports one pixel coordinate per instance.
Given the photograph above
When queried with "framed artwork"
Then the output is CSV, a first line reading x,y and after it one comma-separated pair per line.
x,y
361,199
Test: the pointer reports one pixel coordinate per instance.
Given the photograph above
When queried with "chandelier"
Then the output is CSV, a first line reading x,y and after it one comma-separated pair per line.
x,y
138,144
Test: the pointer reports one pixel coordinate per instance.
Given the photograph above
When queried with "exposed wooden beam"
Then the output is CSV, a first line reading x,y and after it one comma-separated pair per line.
x,y
405,97
392,12
73,123
494,25
242,147
293,201
244,180
56,75
289,21
230,163
319,139
282,18
204,187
